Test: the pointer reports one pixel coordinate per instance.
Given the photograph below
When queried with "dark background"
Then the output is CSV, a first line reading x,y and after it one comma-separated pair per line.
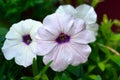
x,y
110,7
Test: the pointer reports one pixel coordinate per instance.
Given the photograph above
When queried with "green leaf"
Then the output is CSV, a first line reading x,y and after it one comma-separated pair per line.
x,y
45,68
44,77
104,49
63,76
57,77
105,28
27,78
95,2
91,68
116,59
98,77
34,67
94,56
95,77
42,73
76,70
101,65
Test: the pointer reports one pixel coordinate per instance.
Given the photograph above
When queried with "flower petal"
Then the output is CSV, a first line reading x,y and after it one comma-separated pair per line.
x,y
87,13
35,26
58,23
78,26
84,37
11,48
51,24
44,47
60,58
10,43
33,46
66,9
13,34
65,22
18,27
25,58
80,53
44,34
93,28
29,25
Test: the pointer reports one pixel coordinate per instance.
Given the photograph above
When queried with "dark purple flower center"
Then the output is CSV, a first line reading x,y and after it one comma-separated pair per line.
x,y
27,39
62,38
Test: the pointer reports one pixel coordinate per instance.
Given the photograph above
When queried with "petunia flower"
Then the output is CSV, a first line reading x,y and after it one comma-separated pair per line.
x,y
20,42
63,40
85,12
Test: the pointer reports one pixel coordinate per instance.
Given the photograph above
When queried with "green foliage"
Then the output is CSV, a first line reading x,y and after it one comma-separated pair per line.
x,y
95,2
77,71
63,76
116,59
35,67
103,62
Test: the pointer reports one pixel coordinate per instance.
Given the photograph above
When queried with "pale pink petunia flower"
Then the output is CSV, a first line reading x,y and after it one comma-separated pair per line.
x,y
63,40
20,42
85,12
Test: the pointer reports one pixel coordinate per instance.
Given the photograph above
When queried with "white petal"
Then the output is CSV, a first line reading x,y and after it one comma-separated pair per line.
x,y
44,47
25,58
17,27
60,58
84,37
26,26
10,43
36,26
80,53
93,28
13,34
78,26
11,48
23,27
66,9
33,46
87,13
30,25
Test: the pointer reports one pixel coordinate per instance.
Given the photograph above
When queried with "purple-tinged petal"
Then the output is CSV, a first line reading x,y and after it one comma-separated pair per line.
x,y
79,53
57,23
77,27
84,37
45,47
60,56
44,34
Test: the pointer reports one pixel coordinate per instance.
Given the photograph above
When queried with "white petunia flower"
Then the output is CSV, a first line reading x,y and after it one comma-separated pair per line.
x,y
63,40
20,42
85,12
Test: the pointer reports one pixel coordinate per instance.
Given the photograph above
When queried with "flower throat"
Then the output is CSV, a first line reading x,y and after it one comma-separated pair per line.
x,y
27,39
63,38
